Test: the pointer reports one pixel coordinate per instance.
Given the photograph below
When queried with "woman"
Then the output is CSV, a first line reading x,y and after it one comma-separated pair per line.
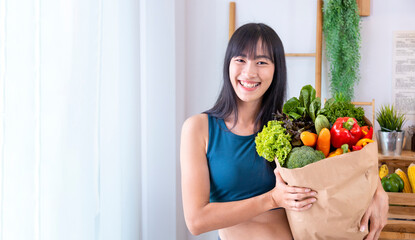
x,y
225,184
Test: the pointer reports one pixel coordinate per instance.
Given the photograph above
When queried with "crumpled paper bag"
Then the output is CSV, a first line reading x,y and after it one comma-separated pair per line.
x,y
345,185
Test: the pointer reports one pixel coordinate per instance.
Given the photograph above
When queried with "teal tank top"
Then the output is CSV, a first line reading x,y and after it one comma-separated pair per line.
x,y
236,171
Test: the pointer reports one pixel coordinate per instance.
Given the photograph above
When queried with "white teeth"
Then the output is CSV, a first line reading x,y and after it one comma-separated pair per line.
x,y
249,85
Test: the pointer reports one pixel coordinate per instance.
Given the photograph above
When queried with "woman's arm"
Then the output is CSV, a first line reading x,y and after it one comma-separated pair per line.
x,y
377,213
201,215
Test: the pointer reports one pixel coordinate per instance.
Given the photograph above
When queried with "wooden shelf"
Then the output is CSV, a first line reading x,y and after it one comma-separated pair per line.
x,y
406,155
396,235
399,198
394,162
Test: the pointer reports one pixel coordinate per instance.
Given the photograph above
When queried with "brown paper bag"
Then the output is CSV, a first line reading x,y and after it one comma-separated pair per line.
x,y
345,185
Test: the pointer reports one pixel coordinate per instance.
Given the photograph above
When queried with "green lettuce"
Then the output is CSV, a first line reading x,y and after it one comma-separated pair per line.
x,y
273,142
334,109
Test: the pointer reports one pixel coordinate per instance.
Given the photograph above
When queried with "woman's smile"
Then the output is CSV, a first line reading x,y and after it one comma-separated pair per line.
x,y
249,85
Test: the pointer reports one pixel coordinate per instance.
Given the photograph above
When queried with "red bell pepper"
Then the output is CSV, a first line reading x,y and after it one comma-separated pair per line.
x,y
345,130
356,148
367,132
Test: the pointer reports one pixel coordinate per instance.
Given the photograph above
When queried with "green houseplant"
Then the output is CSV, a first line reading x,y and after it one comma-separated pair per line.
x,y
390,119
390,135
341,27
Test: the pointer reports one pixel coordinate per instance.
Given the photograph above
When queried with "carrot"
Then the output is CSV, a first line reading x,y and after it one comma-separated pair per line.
x,y
323,141
308,138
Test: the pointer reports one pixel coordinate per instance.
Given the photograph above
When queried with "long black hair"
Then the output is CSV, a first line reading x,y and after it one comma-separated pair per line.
x,y
245,40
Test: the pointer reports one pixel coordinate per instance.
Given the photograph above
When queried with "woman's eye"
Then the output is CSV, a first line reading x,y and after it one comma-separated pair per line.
x,y
262,63
239,60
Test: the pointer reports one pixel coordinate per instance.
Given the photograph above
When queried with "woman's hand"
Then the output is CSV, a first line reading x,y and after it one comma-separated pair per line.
x,y
377,213
291,198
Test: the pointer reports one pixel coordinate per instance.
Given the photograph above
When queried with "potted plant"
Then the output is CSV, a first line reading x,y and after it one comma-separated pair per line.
x,y
390,134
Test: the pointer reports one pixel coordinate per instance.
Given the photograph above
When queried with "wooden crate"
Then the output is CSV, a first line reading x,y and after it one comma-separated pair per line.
x,y
401,216
394,162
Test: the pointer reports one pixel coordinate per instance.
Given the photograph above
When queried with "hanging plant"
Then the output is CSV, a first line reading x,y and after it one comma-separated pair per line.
x,y
341,27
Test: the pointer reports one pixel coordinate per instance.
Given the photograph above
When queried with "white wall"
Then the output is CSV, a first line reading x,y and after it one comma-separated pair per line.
x,y
377,52
162,66
294,21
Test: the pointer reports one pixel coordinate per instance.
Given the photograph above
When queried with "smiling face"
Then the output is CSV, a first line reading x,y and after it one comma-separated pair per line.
x,y
251,74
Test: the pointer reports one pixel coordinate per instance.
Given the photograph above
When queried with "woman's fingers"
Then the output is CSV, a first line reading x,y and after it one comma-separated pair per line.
x,y
364,221
292,198
371,234
300,196
289,189
294,190
303,208
375,229
377,235
298,205
376,226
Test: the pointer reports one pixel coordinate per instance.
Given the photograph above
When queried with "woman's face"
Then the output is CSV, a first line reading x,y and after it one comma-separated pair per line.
x,y
251,76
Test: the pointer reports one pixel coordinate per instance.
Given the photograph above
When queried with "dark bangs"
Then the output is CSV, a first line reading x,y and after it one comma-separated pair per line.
x,y
246,45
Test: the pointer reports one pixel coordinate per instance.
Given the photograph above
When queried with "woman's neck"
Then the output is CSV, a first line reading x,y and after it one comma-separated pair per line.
x,y
247,114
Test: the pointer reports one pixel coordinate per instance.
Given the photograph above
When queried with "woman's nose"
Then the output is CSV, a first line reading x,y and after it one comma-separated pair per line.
x,y
250,70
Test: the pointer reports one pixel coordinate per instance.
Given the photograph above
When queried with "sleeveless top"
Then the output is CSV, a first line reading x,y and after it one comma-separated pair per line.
x,y
236,171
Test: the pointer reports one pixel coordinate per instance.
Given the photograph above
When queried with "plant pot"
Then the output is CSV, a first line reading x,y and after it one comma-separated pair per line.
x,y
391,143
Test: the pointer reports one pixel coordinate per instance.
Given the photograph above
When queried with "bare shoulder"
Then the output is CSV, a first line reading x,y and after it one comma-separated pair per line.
x,y
197,124
195,132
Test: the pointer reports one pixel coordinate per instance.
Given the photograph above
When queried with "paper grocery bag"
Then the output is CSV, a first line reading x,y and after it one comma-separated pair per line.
x,y
345,185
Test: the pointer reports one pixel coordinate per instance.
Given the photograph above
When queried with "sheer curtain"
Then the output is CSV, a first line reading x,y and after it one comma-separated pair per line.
x,y
70,120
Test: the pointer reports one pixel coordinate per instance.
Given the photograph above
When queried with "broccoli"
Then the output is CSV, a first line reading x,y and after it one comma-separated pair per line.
x,y
301,156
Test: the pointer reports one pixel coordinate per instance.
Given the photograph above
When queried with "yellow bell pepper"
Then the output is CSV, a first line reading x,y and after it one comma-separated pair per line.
x,y
363,142
335,153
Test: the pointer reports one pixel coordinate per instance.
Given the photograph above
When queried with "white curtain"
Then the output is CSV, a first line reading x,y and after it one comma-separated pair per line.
x,y
69,120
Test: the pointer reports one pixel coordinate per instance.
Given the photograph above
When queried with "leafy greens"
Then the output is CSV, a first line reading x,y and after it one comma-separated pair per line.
x,y
306,106
334,109
273,142
295,127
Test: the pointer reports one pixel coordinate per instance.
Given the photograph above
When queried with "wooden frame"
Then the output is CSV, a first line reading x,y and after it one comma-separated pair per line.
x,y
231,18
372,103
364,7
